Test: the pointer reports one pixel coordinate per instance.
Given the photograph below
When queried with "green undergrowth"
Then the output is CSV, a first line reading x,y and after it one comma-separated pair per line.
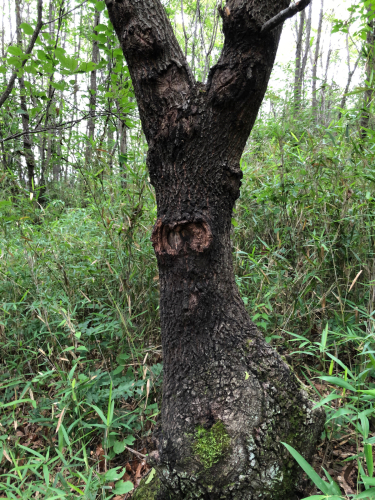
x,y
80,355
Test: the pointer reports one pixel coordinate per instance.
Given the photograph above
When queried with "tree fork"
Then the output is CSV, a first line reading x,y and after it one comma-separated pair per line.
x,y
229,399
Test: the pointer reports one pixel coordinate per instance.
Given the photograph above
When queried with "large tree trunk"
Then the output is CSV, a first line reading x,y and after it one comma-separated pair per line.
x,y
229,399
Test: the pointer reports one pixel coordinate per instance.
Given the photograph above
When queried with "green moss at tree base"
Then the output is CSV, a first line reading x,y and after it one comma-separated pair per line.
x,y
211,445
147,491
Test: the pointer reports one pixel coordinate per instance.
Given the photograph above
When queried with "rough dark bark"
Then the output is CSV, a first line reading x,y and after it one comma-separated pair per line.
x,y
223,384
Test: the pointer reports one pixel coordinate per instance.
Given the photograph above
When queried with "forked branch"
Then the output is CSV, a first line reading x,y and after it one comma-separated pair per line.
x,y
285,14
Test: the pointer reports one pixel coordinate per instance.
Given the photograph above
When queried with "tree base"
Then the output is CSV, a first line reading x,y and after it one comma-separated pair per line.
x,y
148,491
238,454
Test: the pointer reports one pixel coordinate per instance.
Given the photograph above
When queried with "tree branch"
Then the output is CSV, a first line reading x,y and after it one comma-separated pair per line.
x,y
30,47
57,126
285,14
157,65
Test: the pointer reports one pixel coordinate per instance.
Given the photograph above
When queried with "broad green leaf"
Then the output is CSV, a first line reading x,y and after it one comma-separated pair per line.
x,y
114,475
42,55
129,440
26,28
16,62
123,487
318,481
58,85
100,38
119,447
100,6
86,67
15,51
100,27
68,62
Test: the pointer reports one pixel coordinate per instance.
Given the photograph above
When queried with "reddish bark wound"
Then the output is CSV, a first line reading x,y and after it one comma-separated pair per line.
x,y
178,238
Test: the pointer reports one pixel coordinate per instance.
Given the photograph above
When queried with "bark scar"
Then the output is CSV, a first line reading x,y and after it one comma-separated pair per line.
x,y
180,237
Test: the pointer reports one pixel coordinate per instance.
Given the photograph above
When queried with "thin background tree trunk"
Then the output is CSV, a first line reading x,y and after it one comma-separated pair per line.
x,y
298,75
92,91
370,72
350,75
27,143
316,60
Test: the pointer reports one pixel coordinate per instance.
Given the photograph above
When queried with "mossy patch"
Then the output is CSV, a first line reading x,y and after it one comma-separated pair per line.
x,y
147,491
210,445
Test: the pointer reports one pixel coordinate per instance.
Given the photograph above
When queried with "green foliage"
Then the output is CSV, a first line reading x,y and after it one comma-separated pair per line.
x,y
211,444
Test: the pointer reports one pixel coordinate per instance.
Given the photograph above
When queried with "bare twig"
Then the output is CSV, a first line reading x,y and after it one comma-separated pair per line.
x,y
136,453
285,14
65,13
37,131
183,26
30,47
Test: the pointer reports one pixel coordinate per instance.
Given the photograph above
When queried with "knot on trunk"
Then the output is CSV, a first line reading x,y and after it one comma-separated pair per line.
x,y
180,237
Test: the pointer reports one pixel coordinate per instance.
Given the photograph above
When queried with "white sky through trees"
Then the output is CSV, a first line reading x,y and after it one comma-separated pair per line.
x,y
338,72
